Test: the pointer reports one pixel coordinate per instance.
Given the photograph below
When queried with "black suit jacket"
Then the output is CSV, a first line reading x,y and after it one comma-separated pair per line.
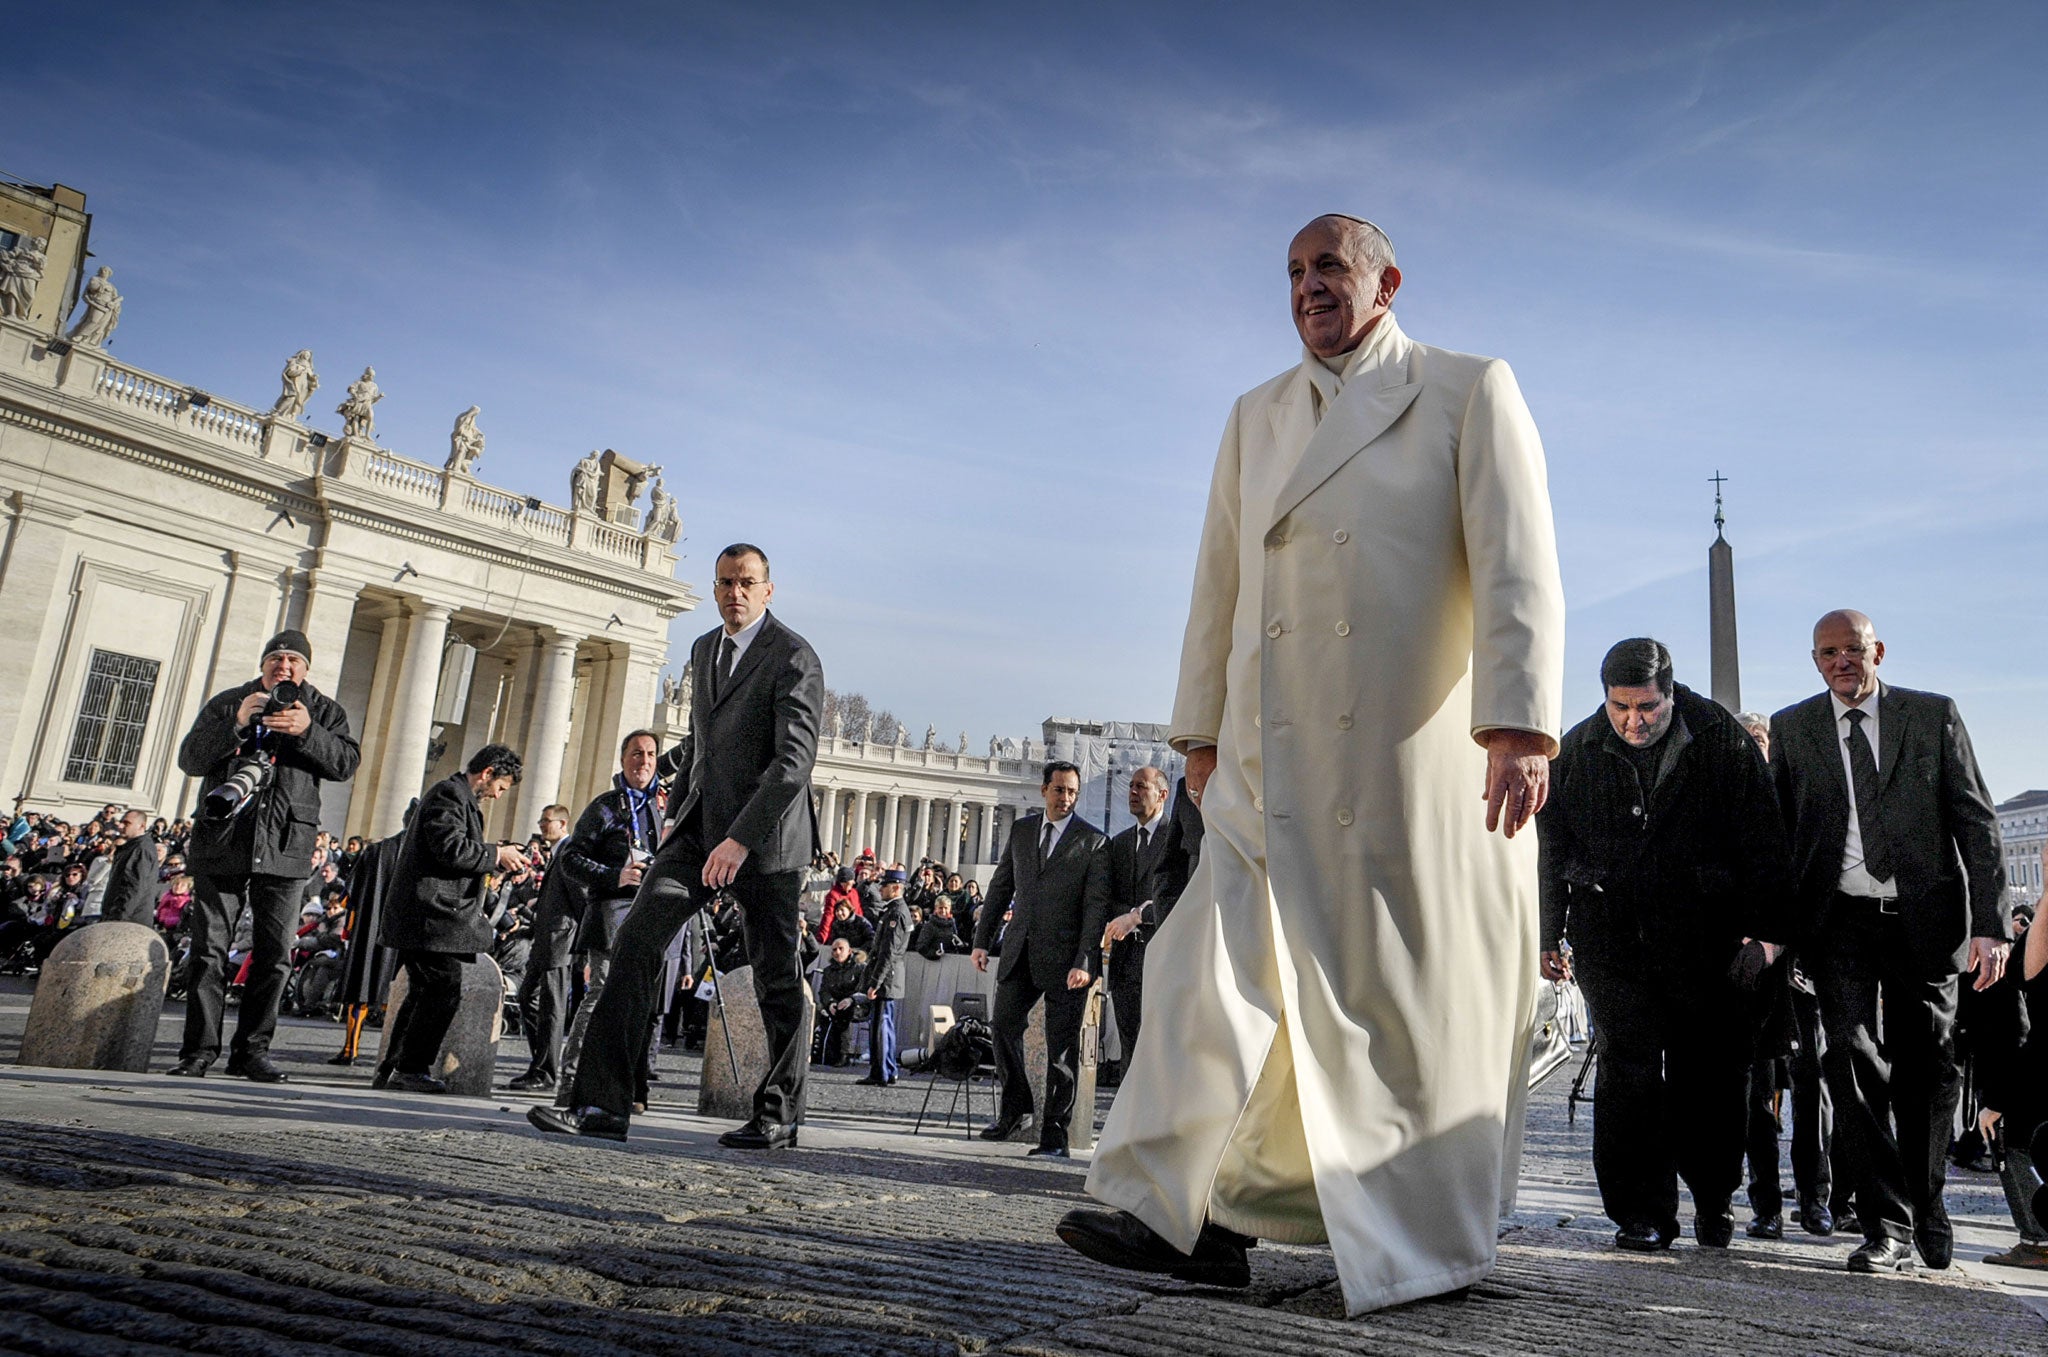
x,y
132,886
1937,815
1060,907
437,890
753,747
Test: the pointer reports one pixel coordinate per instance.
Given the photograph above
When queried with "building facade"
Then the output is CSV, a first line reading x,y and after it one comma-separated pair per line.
x,y
2023,827
154,536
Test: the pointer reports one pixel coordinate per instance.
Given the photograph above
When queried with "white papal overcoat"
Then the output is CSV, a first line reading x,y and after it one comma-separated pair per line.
x,y
1337,1011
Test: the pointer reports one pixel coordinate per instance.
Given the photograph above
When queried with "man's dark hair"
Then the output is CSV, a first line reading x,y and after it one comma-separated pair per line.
x,y
499,759
738,549
627,743
1635,663
1056,767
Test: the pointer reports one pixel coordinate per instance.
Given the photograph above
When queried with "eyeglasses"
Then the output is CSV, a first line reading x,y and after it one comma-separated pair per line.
x,y
1829,654
746,585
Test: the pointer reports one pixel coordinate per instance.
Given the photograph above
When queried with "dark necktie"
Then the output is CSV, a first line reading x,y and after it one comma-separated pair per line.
x,y
1877,854
723,670
1144,840
1045,847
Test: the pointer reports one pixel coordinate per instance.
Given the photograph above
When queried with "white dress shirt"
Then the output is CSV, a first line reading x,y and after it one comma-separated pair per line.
x,y
1058,828
1856,880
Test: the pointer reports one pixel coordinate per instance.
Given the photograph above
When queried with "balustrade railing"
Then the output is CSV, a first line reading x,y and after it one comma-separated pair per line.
x,y
243,430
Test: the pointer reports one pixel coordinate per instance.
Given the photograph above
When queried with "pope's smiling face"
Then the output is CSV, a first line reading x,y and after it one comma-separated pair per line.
x,y
1337,297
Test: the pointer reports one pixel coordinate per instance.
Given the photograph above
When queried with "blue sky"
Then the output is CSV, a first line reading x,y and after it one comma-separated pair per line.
x,y
945,305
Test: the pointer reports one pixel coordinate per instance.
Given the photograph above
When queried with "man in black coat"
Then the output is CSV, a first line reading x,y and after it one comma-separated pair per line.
x,y
600,866
435,918
1663,861
132,884
746,825
1900,881
886,977
1142,892
1054,879
260,853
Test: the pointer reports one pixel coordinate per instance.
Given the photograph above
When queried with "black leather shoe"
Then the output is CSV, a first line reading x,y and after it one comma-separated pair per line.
x,y
871,1082
1004,1127
1766,1227
760,1135
1643,1238
1714,1229
532,1082
417,1083
1882,1255
1816,1219
1935,1237
594,1122
258,1068
342,1060
1120,1239
1847,1222
191,1067
1047,1152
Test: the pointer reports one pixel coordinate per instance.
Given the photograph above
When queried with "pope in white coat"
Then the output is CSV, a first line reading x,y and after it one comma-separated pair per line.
x,y
1337,1012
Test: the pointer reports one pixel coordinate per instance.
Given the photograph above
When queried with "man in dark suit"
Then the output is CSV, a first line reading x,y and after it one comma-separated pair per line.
x,y
1137,857
1054,879
132,884
746,826
435,919
1898,873
887,977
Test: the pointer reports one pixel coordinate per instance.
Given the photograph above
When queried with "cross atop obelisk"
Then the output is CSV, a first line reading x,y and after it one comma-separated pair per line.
x,y
1726,670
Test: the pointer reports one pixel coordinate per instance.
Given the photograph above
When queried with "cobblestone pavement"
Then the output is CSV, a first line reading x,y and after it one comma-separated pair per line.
x,y
143,1214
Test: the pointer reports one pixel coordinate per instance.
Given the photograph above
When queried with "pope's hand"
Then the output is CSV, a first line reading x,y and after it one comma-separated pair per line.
x,y
1517,778
1200,764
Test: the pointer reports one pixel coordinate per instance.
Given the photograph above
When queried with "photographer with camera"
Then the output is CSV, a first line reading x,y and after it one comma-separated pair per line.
x,y
261,751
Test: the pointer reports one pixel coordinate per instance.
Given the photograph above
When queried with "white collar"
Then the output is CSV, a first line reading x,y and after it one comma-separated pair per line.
x,y
744,637
1868,706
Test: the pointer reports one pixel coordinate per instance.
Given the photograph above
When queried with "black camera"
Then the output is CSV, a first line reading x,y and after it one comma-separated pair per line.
x,y
252,766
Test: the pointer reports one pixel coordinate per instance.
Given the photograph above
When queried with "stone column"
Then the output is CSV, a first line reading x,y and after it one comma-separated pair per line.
x,y
949,829
548,732
371,723
923,832
402,773
985,844
858,839
890,816
37,549
828,818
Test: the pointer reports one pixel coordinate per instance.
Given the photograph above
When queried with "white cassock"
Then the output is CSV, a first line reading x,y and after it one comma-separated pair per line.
x,y
1337,1012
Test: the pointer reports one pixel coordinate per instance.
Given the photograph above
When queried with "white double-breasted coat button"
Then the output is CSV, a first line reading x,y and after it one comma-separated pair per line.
x,y
1340,537
1259,804
1343,817
1344,722
1343,628
1273,629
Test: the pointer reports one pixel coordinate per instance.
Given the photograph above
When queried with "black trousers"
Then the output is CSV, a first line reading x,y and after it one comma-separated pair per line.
x,y
1016,994
216,906
1670,1101
433,995
1127,993
615,1045
543,1001
1904,1062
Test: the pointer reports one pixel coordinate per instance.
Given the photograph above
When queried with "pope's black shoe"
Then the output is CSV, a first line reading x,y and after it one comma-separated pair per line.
x,y
1120,1239
1002,1128
1883,1254
760,1135
590,1121
1643,1238
1714,1229
191,1067
1766,1227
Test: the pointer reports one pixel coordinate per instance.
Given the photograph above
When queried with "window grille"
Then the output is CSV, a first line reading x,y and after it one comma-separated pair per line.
x,y
107,741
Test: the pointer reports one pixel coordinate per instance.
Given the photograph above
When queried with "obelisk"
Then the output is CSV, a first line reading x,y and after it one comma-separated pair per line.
x,y
1726,668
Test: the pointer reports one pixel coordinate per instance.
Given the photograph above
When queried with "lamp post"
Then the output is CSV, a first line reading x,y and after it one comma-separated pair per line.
x,y
1109,786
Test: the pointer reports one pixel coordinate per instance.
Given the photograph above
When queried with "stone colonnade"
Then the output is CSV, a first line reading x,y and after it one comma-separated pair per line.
x,y
908,804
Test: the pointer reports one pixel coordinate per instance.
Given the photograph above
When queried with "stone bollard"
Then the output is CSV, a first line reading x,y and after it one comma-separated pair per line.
x,y
719,1094
469,1054
98,1000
